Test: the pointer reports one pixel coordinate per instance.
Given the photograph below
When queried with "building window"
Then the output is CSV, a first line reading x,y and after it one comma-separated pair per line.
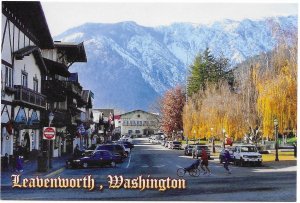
x,y
24,79
8,76
35,84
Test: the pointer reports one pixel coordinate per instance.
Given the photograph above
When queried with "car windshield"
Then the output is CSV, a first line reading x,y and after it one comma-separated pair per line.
x,y
176,143
248,149
200,147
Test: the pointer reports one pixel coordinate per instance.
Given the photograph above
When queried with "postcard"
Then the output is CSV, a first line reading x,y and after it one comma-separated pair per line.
x,y
149,101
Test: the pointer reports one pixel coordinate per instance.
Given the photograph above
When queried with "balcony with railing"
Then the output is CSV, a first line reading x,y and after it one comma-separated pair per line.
x,y
74,88
55,90
29,97
61,118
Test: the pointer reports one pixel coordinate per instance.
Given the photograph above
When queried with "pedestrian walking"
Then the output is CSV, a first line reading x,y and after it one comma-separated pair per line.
x,y
227,158
19,164
204,162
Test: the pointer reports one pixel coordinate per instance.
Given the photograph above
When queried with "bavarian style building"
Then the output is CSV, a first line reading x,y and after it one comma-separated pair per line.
x,y
35,81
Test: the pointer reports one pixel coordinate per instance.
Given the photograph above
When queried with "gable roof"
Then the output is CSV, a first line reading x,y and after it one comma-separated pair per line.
x,y
73,51
26,51
136,111
29,17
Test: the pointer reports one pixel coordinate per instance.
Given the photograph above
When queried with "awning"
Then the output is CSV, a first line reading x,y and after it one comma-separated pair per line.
x,y
56,68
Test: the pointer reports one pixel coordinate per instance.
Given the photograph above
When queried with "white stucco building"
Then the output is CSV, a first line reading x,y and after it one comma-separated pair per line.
x,y
139,123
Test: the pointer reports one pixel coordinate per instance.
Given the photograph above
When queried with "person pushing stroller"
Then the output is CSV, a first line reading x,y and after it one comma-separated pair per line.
x,y
194,165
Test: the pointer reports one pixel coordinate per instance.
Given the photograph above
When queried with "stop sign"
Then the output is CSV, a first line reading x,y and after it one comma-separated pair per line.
x,y
49,133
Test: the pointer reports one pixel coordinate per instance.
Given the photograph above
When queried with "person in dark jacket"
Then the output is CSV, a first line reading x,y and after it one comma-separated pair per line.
x,y
19,164
227,158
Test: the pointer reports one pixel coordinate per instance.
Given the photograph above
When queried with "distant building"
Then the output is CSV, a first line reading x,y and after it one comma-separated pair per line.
x,y
104,119
139,123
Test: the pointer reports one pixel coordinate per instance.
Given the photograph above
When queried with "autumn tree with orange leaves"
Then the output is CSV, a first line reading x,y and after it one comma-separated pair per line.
x,y
171,109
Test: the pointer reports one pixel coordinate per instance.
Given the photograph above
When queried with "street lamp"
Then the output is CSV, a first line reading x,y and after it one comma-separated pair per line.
x,y
223,132
50,117
276,138
213,141
194,135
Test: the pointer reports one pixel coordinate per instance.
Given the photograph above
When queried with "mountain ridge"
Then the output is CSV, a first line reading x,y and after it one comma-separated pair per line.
x,y
129,65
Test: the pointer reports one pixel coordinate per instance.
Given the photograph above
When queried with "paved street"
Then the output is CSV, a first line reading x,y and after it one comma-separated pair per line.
x,y
266,183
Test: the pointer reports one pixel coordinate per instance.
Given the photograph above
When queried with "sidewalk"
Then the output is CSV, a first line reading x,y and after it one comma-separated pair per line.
x,y
280,164
30,170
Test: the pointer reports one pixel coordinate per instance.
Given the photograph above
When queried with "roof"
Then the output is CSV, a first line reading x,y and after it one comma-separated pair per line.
x,y
56,68
135,111
26,51
29,17
74,52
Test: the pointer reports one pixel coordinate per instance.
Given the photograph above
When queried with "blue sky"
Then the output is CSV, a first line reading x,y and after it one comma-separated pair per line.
x,y
64,15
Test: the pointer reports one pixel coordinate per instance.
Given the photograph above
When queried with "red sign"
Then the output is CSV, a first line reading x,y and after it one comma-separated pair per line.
x,y
49,133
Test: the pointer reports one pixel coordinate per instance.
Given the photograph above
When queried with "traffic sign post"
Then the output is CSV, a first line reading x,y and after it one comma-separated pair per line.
x,y
49,133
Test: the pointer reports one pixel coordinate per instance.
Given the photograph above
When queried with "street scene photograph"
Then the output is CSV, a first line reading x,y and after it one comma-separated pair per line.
x,y
149,101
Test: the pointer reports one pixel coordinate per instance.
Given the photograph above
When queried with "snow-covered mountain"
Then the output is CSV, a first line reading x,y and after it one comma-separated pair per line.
x,y
130,65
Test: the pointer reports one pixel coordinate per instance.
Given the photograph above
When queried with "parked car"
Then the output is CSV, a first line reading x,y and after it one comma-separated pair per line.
x,y
97,158
126,147
244,154
115,149
175,145
126,139
130,145
197,151
222,154
188,150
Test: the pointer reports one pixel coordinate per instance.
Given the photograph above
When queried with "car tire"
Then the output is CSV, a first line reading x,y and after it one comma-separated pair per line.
x,y
113,164
242,163
258,163
235,162
85,165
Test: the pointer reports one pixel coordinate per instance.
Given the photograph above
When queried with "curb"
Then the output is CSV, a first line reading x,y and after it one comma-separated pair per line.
x,y
58,171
